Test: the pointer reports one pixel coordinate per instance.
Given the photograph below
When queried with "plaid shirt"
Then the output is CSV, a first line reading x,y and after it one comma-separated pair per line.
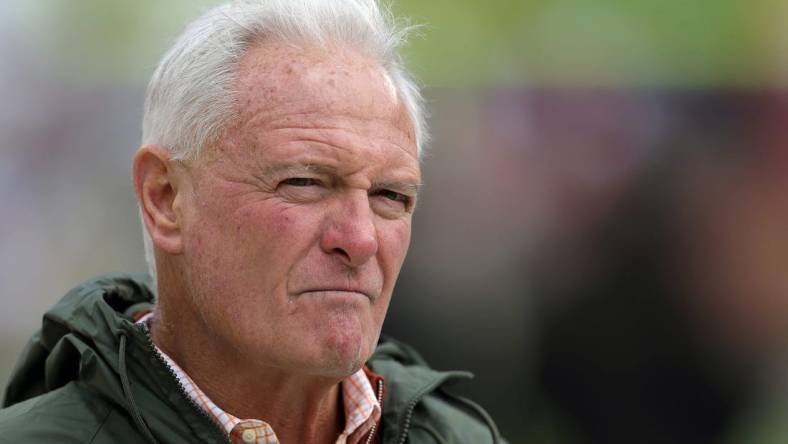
x,y
362,409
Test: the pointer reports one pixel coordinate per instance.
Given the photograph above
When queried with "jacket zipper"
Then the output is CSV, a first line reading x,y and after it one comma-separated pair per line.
x,y
200,411
380,402
408,415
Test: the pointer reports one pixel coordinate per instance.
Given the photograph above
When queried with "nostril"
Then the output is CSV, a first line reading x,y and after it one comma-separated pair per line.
x,y
343,253
351,247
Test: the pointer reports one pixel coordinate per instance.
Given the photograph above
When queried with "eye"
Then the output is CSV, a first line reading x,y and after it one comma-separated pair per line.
x,y
395,196
302,189
300,182
391,204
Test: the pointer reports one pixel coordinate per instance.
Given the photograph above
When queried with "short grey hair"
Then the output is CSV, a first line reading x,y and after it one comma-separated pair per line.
x,y
190,97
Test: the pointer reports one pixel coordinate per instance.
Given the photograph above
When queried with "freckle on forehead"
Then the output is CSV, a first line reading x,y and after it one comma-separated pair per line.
x,y
282,85
272,73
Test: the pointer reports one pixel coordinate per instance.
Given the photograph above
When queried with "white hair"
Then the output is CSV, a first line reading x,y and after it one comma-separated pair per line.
x,y
191,99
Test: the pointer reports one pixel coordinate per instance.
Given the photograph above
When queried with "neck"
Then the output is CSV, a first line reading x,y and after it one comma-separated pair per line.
x,y
299,408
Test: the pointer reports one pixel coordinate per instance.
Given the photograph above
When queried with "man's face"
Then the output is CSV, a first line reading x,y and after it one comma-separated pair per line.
x,y
297,222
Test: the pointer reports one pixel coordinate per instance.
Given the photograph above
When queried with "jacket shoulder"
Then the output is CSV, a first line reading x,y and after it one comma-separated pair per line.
x,y
68,414
447,418
417,406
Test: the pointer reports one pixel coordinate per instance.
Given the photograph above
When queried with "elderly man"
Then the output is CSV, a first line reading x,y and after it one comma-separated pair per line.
x,y
276,182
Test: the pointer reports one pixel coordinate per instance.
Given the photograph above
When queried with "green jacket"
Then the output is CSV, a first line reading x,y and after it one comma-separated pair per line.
x,y
91,375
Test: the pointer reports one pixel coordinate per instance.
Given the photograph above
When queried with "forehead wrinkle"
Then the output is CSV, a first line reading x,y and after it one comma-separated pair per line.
x,y
283,75
347,124
310,112
334,133
294,167
282,88
330,162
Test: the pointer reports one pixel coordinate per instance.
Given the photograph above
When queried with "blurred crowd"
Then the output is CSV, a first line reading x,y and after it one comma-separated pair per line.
x,y
622,257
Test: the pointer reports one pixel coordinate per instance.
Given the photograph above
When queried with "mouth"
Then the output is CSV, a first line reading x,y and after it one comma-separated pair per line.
x,y
338,292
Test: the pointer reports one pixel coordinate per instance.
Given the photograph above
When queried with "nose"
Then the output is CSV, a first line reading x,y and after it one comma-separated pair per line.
x,y
350,233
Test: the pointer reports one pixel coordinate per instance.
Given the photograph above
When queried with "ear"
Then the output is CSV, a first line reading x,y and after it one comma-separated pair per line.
x,y
156,187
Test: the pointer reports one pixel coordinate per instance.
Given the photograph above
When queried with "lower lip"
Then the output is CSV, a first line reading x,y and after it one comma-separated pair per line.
x,y
337,295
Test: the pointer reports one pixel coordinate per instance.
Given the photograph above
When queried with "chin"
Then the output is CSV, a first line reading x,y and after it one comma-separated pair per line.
x,y
340,370
344,354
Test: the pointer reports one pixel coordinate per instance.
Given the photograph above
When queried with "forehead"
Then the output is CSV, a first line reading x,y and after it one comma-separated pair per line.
x,y
284,83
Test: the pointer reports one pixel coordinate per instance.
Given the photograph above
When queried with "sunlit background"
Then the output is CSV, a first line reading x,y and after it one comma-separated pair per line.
x,y
603,235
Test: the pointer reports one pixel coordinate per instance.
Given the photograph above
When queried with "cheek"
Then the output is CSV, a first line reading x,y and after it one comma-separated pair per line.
x,y
251,225
241,245
394,242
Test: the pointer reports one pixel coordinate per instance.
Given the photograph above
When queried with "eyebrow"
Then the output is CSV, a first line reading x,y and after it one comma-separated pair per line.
x,y
411,188
298,167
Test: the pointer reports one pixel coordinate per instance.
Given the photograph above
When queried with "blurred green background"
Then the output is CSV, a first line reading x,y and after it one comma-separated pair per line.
x,y
603,233
463,43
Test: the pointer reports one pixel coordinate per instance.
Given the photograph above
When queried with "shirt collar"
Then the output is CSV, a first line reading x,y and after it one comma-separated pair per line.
x,y
361,406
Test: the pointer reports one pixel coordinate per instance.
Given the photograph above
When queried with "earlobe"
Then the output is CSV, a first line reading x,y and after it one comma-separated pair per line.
x,y
157,192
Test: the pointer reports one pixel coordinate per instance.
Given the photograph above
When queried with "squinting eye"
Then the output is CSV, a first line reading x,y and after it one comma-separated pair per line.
x,y
300,182
395,196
